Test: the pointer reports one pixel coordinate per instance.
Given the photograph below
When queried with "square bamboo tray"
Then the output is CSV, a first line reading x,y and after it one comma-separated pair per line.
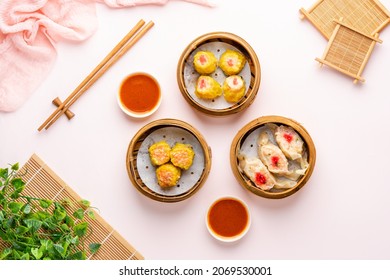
x,y
43,182
348,50
367,16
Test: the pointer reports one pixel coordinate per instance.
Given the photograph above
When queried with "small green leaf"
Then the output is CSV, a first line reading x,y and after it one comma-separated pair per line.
x,y
16,254
81,229
65,227
17,183
49,247
50,223
65,245
66,202
26,209
19,246
69,221
1,216
77,256
21,230
5,253
94,247
46,243
4,173
15,195
79,214
25,256
59,212
30,240
10,223
3,235
59,249
41,215
44,203
42,249
15,206
85,203
15,167
37,253
33,224
75,240
3,201
91,214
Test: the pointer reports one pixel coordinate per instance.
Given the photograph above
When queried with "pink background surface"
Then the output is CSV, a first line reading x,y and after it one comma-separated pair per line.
x,y
342,212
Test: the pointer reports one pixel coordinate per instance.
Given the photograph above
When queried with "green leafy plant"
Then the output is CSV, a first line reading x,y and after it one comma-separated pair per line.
x,y
40,229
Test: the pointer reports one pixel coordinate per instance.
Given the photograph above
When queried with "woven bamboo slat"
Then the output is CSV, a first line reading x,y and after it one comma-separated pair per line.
x,y
348,51
367,16
41,181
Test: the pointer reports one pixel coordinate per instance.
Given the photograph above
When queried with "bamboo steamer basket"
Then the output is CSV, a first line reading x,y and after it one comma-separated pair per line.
x,y
246,131
136,144
236,42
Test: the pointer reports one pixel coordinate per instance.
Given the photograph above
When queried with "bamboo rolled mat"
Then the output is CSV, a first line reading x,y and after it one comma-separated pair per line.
x,y
367,16
42,182
348,51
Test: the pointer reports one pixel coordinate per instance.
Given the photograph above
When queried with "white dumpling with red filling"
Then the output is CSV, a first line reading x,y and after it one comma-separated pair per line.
x,y
273,157
292,146
257,172
289,142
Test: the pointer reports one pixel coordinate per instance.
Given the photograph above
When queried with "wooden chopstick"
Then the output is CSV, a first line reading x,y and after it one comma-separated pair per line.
x,y
117,52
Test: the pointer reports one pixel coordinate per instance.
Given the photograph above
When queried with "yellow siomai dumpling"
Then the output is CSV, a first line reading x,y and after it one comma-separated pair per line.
x,y
160,153
207,88
205,62
232,62
182,155
233,88
168,175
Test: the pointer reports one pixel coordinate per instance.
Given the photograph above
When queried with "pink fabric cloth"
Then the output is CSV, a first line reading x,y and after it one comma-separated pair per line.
x,y
29,30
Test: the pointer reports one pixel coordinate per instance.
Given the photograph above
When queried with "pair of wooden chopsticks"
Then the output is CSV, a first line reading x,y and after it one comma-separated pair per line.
x,y
120,49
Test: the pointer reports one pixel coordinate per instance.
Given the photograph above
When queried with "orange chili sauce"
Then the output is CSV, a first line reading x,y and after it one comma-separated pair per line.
x,y
139,93
228,217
